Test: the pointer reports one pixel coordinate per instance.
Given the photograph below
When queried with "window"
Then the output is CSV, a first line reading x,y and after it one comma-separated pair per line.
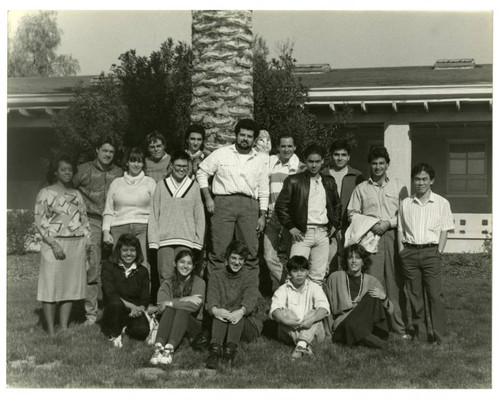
x,y
467,168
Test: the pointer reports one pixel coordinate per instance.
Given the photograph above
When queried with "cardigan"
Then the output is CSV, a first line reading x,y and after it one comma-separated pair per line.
x,y
340,301
128,201
134,288
177,215
166,293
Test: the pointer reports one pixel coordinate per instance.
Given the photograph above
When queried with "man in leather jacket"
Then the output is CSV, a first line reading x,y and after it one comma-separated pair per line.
x,y
309,208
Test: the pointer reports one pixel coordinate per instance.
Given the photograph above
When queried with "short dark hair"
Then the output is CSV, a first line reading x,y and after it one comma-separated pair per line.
x,y
54,165
153,137
134,154
378,151
297,262
107,139
363,254
340,144
127,239
237,247
314,149
417,169
199,129
249,124
179,155
287,136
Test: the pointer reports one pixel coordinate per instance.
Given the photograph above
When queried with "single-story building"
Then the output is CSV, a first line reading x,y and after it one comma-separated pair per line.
x,y
441,115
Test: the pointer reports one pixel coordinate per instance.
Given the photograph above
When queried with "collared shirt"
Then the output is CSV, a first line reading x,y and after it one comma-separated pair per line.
x,y
235,173
380,201
307,298
422,223
316,205
278,172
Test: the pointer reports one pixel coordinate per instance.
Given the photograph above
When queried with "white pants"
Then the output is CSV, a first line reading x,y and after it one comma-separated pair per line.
x,y
315,247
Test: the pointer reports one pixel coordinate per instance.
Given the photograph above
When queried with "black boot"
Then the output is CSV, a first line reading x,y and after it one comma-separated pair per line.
x,y
214,356
230,354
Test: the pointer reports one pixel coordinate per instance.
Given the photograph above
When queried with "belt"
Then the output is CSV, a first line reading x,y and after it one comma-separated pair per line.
x,y
238,194
421,246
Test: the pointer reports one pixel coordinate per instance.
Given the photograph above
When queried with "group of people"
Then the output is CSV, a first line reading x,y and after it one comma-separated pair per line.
x,y
182,230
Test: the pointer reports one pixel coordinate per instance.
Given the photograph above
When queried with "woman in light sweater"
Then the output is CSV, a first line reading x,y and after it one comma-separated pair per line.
x,y
177,219
128,203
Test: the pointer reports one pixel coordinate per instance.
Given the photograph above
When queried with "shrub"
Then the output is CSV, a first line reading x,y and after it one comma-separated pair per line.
x,y
21,231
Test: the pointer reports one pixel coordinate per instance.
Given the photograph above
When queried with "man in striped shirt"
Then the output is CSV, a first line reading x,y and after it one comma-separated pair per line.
x,y
241,195
424,221
276,239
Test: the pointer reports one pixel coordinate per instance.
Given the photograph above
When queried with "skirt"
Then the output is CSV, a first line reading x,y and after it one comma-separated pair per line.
x,y
368,317
63,280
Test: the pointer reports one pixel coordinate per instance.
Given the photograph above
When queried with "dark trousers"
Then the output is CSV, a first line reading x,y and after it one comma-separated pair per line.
x,y
115,318
245,330
235,216
174,323
422,269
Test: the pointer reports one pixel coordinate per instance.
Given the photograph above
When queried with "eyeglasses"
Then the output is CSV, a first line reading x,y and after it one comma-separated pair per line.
x,y
181,167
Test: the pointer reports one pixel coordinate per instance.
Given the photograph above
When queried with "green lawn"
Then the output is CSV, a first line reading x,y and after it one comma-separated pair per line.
x,y
83,358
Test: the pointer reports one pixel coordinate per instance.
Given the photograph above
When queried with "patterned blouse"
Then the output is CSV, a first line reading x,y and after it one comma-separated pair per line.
x,y
61,213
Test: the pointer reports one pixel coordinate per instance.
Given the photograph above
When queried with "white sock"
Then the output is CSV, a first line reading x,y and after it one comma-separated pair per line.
x,y
302,343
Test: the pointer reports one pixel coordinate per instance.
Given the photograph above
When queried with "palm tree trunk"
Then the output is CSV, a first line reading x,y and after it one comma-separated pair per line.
x,y
223,72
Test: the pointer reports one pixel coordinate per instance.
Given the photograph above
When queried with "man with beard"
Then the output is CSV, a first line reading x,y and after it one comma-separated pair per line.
x,y
240,191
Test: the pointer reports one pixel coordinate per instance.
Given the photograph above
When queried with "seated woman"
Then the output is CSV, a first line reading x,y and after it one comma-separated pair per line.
x,y
180,299
231,298
125,287
358,302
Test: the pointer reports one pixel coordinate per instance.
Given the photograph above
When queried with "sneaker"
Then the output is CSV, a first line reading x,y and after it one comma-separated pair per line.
x,y
406,337
155,358
89,322
117,341
214,356
299,352
166,355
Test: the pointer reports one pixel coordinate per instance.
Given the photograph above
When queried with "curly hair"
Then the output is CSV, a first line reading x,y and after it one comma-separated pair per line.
x,y
359,250
127,239
54,166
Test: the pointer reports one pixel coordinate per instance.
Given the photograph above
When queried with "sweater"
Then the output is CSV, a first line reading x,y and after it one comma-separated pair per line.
x,y
128,201
340,301
93,183
177,215
166,293
231,291
134,288
157,170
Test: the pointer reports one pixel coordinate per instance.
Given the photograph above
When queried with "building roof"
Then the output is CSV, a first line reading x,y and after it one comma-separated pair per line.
x,y
398,76
46,85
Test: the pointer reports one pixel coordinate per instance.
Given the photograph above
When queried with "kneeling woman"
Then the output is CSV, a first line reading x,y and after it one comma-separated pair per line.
x,y
125,286
358,302
180,299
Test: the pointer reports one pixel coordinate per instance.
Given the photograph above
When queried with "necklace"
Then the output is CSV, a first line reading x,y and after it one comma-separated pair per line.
x,y
360,288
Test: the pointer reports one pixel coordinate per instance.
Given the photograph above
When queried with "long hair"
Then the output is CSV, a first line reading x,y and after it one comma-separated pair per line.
x,y
363,254
127,240
177,292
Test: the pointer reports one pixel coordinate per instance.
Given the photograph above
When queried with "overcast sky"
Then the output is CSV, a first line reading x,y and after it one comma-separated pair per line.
x,y
344,39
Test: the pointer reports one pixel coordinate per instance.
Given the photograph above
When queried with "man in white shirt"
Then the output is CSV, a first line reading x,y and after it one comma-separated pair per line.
x,y
276,239
241,195
424,221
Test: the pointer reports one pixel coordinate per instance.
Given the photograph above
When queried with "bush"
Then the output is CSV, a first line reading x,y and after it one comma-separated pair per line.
x,y
21,231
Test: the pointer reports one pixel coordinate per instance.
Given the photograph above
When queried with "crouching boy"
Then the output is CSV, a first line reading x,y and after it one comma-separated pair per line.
x,y
299,306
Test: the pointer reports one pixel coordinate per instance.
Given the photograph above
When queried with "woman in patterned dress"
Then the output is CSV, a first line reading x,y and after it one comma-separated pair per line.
x,y
61,219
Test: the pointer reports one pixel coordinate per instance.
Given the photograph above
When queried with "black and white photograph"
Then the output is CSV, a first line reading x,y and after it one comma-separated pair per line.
x,y
217,195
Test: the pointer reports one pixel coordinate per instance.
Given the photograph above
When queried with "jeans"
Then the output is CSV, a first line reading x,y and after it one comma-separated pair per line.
x,y
235,216
277,240
174,323
94,271
423,266
315,247
286,333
